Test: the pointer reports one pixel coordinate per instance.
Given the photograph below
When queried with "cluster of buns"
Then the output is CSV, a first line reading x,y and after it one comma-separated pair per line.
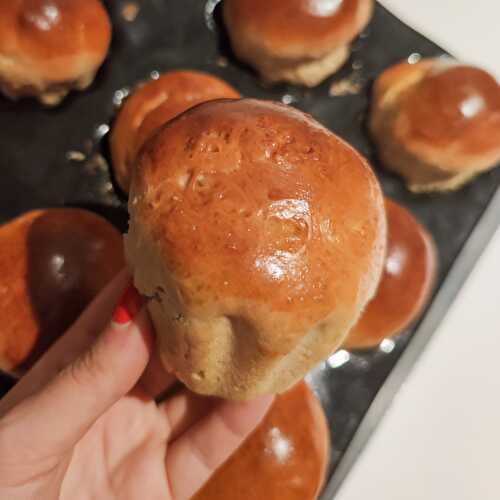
x,y
48,47
262,240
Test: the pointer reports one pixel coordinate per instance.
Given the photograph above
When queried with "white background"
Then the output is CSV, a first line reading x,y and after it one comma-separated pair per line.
x,y
440,440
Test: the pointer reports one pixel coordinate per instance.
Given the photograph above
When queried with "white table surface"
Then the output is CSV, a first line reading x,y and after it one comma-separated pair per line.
x,y
440,439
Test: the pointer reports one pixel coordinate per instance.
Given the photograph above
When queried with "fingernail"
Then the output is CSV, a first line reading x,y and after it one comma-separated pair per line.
x,y
129,306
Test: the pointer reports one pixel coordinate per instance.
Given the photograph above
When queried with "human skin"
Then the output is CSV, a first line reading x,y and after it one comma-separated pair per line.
x,y
88,420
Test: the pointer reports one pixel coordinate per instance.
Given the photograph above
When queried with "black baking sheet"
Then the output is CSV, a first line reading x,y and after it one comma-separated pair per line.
x,y
39,168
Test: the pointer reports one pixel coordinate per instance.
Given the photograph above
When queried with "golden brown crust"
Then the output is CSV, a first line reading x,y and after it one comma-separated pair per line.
x,y
152,105
52,264
300,41
284,458
48,47
436,122
409,272
261,235
296,29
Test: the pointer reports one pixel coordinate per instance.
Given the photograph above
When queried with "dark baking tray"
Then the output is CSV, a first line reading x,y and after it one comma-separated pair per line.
x,y
37,169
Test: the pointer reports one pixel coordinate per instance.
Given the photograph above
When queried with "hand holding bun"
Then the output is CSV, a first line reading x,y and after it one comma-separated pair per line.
x,y
151,106
48,47
259,236
436,123
296,41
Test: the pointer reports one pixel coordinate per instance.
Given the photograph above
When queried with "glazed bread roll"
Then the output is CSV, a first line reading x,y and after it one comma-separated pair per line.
x,y
296,41
406,284
151,106
285,458
259,236
48,47
436,123
52,264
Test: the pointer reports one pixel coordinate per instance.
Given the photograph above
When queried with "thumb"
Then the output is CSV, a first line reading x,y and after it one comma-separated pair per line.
x,y
90,385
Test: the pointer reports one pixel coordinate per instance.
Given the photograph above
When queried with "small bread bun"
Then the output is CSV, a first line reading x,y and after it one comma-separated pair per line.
x,y
154,104
436,123
410,268
49,47
296,41
284,458
260,237
52,264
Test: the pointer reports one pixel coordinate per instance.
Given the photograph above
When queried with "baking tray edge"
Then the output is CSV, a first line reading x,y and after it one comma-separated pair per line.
x,y
474,247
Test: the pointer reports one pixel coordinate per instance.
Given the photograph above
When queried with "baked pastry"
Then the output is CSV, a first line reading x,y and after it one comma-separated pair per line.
x,y
259,236
436,123
284,458
52,264
296,41
410,268
151,106
49,47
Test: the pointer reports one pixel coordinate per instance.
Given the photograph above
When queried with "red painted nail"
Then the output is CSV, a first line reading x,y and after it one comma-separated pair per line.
x,y
128,307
